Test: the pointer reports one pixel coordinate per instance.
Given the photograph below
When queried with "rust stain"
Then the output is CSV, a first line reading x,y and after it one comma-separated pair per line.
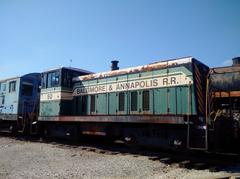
x,y
168,119
229,69
226,94
149,67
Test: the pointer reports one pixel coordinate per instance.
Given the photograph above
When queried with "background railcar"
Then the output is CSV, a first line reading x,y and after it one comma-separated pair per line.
x,y
19,103
159,104
224,107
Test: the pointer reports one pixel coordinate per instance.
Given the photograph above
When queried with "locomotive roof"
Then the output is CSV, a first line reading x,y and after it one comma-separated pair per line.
x,y
69,68
8,79
16,77
227,69
148,67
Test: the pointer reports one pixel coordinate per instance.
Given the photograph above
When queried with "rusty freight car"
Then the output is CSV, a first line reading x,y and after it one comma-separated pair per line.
x,y
223,107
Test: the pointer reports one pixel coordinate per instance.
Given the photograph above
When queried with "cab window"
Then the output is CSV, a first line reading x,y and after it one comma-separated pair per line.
x,y
44,80
4,87
2,101
53,79
12,86
66,78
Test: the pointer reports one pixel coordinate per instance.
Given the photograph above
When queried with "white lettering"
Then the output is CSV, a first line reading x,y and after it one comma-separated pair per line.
x,y
171,80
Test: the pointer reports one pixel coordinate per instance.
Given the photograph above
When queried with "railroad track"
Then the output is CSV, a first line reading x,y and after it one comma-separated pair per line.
x,y
190,160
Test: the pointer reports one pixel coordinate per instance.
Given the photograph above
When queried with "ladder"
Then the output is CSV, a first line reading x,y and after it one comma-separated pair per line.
x,y
197,136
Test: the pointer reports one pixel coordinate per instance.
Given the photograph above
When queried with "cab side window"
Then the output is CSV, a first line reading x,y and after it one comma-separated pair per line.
x,y
44,80
4,87
53,79
12,86
66,78
2,101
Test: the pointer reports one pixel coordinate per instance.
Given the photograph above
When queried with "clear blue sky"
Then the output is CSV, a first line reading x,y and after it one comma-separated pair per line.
x,y
38,35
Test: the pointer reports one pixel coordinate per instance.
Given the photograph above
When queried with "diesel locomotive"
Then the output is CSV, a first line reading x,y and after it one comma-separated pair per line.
x,y
173,104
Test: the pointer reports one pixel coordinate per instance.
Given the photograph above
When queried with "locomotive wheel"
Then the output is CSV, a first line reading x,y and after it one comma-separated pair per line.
x,y
131,140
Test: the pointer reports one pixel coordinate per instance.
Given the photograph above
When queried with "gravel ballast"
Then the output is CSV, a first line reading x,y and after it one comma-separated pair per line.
x,y
27,159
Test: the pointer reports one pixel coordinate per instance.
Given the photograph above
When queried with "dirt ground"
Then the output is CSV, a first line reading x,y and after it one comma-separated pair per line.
x,y
27,159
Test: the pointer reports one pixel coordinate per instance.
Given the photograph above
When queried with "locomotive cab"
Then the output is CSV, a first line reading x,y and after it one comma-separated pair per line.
x,y
56,91
56,100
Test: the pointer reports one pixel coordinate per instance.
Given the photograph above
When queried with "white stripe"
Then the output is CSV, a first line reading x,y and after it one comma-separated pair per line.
x,y
142,83
51,96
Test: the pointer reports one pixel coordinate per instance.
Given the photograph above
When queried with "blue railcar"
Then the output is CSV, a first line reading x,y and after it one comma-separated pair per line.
x,y
19,103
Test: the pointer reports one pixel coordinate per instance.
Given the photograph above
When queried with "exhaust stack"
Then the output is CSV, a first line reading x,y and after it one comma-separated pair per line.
x,y
114,65
236,61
